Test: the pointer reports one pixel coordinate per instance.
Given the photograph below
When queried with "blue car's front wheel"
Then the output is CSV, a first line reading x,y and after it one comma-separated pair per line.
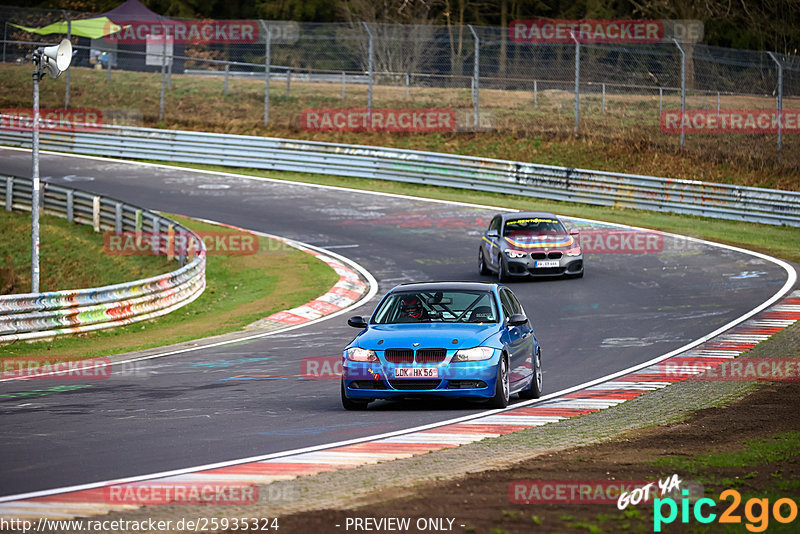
x,y
501,386
352,404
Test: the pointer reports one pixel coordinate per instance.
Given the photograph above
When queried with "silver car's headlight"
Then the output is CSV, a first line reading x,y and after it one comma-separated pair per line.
x,y
474,354
515,254
357,354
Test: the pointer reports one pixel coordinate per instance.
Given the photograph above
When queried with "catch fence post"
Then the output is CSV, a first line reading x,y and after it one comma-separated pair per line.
x,y
370,59
476,77
577,80
683,89
267,40
779,101
163,72
604,98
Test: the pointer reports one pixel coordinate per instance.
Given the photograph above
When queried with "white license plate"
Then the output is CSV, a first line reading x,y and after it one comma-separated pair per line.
x,y
546,263
416,372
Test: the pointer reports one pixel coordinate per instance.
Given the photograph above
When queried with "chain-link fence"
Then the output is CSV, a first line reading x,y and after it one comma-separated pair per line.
x,y
253,73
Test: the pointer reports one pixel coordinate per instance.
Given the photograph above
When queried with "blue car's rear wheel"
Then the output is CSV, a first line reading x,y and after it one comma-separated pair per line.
x,y
352,404
501,387
535,389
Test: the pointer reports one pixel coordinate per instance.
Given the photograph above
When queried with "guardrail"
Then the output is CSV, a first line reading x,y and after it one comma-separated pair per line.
x,y
43,315
742,203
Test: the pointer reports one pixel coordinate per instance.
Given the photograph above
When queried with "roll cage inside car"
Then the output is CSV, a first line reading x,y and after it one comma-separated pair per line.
x,y
439,306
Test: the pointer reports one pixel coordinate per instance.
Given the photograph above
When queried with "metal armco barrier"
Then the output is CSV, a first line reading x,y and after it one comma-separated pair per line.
x,y
43,315
741,203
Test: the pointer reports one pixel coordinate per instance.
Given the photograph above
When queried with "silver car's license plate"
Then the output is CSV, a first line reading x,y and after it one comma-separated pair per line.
x,y
546,263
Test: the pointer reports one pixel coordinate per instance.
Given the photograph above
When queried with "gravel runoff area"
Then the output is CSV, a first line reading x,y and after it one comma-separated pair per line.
x,y
314,503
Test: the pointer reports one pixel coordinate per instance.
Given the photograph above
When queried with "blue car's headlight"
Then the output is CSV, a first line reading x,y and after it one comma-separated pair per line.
x,y
357,354
474,354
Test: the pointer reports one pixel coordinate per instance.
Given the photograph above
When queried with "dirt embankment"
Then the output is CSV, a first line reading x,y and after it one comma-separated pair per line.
x,y
733,447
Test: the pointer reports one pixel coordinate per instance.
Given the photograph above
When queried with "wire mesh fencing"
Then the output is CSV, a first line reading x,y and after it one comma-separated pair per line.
x,y
254,76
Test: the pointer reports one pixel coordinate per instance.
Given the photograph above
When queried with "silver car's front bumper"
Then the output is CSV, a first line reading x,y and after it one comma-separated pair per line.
x,y
528,266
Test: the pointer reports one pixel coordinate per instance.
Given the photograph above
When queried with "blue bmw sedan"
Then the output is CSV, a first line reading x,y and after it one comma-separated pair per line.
x,y
444,339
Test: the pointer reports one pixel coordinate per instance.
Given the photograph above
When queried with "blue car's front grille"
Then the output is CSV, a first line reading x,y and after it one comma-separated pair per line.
x,y
414,384
423,355
399,355
431,355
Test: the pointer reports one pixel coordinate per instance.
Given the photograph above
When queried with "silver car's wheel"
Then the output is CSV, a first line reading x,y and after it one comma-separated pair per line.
x,y
482,268
501,387
502,274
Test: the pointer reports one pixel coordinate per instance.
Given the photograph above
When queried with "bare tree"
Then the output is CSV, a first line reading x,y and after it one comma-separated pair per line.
x,y
684,10
402,30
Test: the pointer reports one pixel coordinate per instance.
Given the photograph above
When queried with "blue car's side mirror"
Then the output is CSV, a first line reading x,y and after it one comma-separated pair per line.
x,y
517,319
357,322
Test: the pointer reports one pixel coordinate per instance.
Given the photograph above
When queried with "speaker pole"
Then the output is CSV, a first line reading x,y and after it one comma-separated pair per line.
x,y
37,75
69,38
54,60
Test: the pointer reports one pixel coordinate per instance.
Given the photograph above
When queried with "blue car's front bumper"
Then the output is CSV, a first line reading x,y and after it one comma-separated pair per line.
x,y
376,380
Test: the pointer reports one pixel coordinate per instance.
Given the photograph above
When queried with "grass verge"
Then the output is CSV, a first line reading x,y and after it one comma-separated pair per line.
x,y
625,136
780,241
240,289
71,256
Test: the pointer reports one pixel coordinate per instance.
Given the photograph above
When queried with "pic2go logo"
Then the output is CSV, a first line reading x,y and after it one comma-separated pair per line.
x,y
756,511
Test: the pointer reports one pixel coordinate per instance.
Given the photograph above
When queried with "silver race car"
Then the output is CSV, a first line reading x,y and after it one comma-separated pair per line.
x,y
529,243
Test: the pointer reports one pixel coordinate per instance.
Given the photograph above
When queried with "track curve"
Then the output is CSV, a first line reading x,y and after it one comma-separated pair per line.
x,y
189,409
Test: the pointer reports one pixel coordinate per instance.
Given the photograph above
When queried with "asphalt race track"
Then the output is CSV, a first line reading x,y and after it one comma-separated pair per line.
x,y
186,410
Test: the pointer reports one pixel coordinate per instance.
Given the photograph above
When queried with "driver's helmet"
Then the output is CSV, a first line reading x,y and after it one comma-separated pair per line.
x,y
411,307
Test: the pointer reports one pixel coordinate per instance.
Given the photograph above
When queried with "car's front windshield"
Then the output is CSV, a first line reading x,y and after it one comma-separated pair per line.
x,y
436,306
533,226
